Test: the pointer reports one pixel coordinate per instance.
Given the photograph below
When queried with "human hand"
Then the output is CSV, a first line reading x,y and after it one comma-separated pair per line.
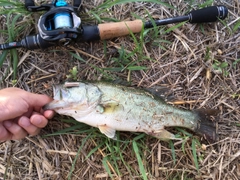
x,y
21,113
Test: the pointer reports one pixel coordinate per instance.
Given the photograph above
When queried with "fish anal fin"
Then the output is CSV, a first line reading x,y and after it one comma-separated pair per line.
x,y
108,131
164,135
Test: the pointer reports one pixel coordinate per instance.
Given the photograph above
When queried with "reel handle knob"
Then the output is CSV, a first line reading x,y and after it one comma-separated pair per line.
x,y
77,3
29,3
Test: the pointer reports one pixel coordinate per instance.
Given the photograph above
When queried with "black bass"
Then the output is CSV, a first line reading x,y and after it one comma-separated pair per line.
x,y
111,107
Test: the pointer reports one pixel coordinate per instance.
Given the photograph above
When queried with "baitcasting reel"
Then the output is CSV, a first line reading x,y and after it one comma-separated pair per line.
x,y
60,24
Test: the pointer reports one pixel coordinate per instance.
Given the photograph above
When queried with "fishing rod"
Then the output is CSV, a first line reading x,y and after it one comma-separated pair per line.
x,y
61,25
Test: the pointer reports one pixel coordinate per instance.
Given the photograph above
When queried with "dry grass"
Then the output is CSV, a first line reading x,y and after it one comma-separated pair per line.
x,y
185,63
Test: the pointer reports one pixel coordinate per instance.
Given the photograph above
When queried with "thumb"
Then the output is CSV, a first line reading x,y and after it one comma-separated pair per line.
x,y
37,101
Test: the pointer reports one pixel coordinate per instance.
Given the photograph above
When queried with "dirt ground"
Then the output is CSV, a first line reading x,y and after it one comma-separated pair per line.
x,y
199,62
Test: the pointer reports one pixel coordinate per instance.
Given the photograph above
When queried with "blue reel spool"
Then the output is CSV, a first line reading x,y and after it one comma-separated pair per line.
x,y
62,19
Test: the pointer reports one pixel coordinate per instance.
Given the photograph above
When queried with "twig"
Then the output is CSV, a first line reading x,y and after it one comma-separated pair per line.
x,y
43,77
86,54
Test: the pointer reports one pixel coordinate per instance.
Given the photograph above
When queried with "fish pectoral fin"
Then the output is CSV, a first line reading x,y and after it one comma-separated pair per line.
x,y
109,132
111,106
164,135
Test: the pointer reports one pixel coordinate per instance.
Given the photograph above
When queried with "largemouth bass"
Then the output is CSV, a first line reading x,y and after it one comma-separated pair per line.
x,y
111,107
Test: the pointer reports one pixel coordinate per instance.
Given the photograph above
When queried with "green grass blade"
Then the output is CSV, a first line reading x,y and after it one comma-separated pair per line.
x,y
140,136
183,146
206,3
194,151
119,149
12,6
70,121
10,38
174,27
155,27
97,17
173,151
14,57
108,4
140,162
136,68
66,130
8,4
235,63
185,135
76,157
116,69
105,48
236,26
13,26
128,167
77,57
94,150
3,57
11,35
184,132
105,165
113,158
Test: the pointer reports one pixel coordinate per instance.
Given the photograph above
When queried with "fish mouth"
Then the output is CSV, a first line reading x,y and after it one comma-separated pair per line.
x,y
54,105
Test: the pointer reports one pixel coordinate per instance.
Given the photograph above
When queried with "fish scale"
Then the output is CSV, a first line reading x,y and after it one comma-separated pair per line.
x,y
111,107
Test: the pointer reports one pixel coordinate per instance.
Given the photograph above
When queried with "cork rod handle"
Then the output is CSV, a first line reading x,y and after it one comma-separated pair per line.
x,y
111,30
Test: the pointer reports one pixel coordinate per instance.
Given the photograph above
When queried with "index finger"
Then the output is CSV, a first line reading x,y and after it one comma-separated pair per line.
x,y
37,101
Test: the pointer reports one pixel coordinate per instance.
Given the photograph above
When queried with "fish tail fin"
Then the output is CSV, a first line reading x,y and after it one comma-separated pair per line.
x,y
207,124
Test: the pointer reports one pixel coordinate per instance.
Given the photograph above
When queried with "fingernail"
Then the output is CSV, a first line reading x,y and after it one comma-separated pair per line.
x,y
49,114
24,122
37,120
7,124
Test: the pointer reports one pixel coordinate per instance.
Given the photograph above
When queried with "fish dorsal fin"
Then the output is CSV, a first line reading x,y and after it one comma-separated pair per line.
x,y
162,92
109,132
121,82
